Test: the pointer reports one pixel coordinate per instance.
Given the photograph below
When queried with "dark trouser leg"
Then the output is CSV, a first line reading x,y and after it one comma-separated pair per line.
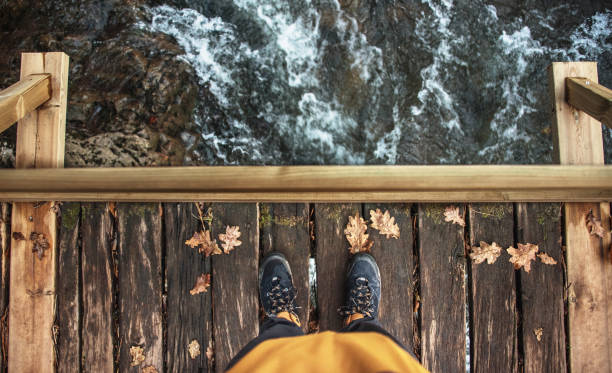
x,y
369,324
272,327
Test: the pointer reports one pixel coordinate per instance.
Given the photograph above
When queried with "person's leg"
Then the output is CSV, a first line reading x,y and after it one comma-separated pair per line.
x,y
277,296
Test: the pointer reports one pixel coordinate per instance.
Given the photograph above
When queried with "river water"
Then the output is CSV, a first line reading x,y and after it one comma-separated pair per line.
x,y
387,82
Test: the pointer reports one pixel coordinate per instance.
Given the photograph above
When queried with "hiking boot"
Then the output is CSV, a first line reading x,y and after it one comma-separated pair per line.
x,y
362,288
276,290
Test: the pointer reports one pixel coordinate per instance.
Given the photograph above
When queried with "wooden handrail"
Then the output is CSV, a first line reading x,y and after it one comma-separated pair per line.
x,y
590,97
312,183
23,97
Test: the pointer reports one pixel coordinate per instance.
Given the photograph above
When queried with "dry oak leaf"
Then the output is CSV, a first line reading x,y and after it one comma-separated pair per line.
x,y
384,223
451,214
194,349
201,285
594,225
546,259
149,369
487,252
538,333
39,245
356,234
522,257
230,238
204,243
137,354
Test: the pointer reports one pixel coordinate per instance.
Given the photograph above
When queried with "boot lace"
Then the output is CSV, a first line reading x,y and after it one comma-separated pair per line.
x,y
281,299
360,300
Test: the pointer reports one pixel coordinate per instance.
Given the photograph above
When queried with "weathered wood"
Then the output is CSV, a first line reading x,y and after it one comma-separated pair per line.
x,y
314,183
5,229
590,97
97,279
542,290
40,144
235,283
494,320
442,268
332,256
395,261
140,287
284,228
578,141
68,318
23,97
189,317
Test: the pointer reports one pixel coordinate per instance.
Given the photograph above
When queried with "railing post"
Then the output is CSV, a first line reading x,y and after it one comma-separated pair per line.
x,y
578,141
40,144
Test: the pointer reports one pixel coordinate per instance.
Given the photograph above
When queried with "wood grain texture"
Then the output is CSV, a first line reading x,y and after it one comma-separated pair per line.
x,y
332,256
235,283
189,317
443,293
23,97
395,261
590,97
284,228
5,230
140,287
97,278
68,318
494,320
542,289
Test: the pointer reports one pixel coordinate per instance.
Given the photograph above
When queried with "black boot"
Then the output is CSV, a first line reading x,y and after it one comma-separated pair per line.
x,y
276,290
362,289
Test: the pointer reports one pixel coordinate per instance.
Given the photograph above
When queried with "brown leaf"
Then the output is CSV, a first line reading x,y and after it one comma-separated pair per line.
x,y
594,225
209,352
487,252
194,349
137,354
204,243
40,244
18,236
538,333
149,369
201,285
384,223
230,238
546,259
451,214
356,234
522,257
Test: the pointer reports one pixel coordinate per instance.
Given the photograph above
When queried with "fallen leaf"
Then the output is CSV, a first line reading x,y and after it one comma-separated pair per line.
x,y
137,354
538,333
18,236
204,243
522,257
194,349
230,238
594,225
487,252
546,259
201,285
384,223
209,352
356,234
149,369
451,214
40,244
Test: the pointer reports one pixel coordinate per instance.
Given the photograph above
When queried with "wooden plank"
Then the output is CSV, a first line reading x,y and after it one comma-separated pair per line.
x,y
442,268
235,283
5,229
140,285
578,141
332,256
68,290
542,289
395,261
96,268
189,317
284,228
494,320
23,97
40,144
590,97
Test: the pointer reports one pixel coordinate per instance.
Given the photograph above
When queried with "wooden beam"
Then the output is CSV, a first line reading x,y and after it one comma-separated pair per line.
x,y
22,97
590,97
578,141
40,143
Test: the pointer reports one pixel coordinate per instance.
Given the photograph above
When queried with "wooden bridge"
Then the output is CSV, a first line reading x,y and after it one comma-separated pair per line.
x,y
110,289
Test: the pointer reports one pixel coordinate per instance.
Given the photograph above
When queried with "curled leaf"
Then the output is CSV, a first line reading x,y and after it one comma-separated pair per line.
x,y
594,225
546,259
522,257
487,252
201,285
451,214
538,333
356,234
137,354
204,243
230,238
194,349
39,244
384,223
